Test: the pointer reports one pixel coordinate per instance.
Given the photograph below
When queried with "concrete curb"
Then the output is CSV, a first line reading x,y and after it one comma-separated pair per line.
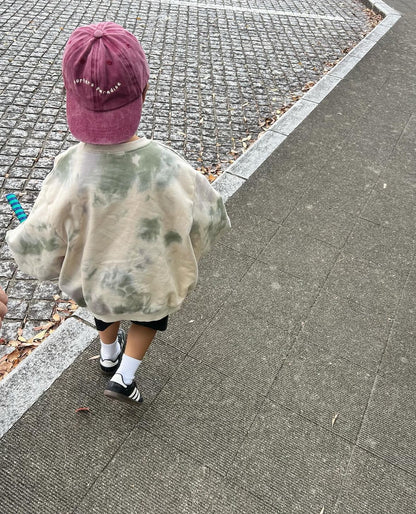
x,y
23,386
236,175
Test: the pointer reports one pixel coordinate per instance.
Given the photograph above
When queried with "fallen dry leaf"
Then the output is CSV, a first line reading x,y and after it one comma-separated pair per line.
x,y
26,352
13,356
308,85
29,345
45,327
41,335
95,357
6,367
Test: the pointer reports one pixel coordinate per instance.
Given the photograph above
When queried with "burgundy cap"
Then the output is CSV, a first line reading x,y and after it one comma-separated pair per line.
x,y
105,73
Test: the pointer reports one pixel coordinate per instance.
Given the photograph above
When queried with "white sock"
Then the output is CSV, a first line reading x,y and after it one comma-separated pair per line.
x,y
110,351
128,368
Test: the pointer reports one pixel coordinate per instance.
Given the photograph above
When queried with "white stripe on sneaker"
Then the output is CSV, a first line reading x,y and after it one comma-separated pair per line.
x,y
135,395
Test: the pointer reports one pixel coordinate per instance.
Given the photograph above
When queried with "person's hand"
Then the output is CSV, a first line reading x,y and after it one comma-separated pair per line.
x,y
3,305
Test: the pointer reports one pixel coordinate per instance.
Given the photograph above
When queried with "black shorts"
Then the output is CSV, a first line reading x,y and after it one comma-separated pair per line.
x,y
160,324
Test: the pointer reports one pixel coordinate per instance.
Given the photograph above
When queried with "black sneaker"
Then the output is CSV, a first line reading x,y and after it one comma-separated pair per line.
x,y
118,390
109,367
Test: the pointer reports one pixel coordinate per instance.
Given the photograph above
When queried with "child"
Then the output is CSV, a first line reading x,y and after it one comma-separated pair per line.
x,y
121,221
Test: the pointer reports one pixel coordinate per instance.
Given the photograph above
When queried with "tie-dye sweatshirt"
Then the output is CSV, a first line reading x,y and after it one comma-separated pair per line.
x,y
122,227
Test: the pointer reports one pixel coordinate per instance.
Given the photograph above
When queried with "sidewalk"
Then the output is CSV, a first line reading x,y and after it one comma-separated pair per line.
x,y
287,383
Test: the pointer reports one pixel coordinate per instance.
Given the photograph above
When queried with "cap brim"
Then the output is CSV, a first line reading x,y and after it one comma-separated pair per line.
x,y
104,127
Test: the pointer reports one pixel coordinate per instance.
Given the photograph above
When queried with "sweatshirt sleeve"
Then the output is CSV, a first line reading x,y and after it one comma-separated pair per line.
x,y
210,218
37,244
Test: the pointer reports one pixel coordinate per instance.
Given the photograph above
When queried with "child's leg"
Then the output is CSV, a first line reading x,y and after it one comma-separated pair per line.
x,y
138,341
110,345
109,335
122,386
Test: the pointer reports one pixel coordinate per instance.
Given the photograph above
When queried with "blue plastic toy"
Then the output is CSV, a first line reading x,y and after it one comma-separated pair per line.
x,y
17,208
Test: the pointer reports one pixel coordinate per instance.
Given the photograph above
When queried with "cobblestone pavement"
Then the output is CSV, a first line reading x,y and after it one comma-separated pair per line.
x,y
218,71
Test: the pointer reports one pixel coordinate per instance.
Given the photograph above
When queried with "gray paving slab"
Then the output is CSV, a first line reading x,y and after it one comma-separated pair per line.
x,y
250,352
377,288
400,177
160,364
160,478
277,199
235,500
374,486
392,115
322,88
387,426
324,388
399,360
354,175
381,245
341,118
409,130
390,209
250,233
358,163
216,283
269,293
346,329
204,414
329,224
406,311
300,255
365,176
293,464
61,453
340,191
